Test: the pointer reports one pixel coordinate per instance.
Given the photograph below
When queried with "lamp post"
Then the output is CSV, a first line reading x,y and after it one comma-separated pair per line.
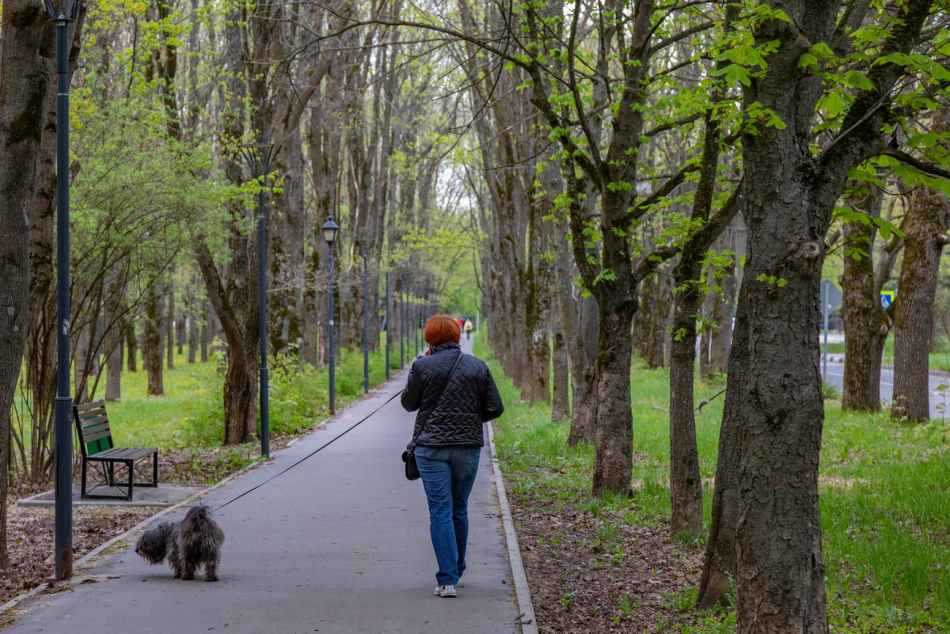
x,y
365,319
259,157
388,324
330,230
415,324
402,328
62,12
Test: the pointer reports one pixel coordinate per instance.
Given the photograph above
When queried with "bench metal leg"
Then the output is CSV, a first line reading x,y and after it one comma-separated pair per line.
x,y
155,469
131,465
82,494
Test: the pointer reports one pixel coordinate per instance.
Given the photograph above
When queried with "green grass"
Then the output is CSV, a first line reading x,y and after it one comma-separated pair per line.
x,y
885,497
191,413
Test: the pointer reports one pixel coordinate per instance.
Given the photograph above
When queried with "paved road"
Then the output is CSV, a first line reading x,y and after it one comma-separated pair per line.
x,y
339,544
939,400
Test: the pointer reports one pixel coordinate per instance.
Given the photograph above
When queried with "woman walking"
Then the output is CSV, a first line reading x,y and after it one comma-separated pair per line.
x,y
454,394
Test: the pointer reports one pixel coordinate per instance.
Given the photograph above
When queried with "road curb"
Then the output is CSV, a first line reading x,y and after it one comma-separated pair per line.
x,y
527,621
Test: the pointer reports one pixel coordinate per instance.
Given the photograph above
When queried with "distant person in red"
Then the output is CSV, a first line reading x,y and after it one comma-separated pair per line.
x,y
461,321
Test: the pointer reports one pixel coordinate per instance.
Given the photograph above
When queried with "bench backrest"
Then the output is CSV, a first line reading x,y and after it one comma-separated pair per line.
x,y
92,423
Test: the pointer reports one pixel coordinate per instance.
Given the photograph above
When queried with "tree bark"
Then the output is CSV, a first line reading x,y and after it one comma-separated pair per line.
x,y
537,379
723,307
192,338
25,48
131,346
925,226
152,348
613,461
866,323
561,402
206,329
170,322
114,374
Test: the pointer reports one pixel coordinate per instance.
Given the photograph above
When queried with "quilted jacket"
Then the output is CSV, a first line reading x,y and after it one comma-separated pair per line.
x,y
469,401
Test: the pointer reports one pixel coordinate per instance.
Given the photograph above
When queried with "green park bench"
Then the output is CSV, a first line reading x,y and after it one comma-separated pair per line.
x,y
95,439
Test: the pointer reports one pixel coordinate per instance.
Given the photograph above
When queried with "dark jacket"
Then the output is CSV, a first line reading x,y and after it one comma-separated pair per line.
x,y
469,401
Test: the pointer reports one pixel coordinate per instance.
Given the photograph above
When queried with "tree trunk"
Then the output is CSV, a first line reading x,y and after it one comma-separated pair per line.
x,y
537,376
577,315
721,564
925,225
152,348
180,324
238,314
192,338
206,330
561,403
114,374
131,346
22,109
614,435
686,486
723,307
866,324
652,320
170,323
81,353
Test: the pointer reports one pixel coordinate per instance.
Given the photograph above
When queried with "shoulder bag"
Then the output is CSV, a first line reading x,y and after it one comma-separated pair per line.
x,y
409,455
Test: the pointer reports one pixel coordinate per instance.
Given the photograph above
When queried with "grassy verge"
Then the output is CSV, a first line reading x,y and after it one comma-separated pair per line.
x,y
187,423
885,504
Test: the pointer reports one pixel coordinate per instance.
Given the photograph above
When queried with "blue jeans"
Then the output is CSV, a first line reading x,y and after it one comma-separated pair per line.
x,y
448,474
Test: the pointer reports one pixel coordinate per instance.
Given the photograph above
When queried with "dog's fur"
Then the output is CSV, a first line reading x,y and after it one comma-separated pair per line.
x,y
187,545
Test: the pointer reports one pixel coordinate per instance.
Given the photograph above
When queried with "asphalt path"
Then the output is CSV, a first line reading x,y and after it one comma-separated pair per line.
x,y
339,544
939,399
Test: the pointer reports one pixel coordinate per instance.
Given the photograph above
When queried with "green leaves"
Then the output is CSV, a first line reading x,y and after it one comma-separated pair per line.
x,y
771,280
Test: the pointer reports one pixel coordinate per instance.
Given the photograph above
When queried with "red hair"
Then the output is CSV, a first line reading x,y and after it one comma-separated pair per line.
x,y
442,329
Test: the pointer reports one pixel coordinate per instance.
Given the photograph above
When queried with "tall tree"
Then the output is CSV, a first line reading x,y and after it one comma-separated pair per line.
x,y
767,474
925,225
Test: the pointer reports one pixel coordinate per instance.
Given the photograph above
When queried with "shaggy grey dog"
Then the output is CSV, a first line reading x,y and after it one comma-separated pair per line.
x,y
187,545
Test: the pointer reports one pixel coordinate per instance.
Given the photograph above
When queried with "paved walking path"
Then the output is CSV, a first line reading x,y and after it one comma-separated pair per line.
x,y
338,544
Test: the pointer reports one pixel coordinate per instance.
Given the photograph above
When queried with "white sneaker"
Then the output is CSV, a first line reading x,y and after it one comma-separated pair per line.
x,y
438,591
448,592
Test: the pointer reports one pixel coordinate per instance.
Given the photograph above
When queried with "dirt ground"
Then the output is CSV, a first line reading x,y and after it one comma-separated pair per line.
x,y
591,575
30,534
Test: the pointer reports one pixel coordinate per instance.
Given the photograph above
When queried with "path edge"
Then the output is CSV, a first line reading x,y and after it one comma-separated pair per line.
x,y
95,552
527,619
17,600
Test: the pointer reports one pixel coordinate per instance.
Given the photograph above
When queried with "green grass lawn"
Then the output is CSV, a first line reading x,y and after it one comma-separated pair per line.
x,y
191,413
885,496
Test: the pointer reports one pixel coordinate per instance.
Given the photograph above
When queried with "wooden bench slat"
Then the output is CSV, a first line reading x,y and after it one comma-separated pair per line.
x,y
96,434
85,407
98,420
124,453
92,413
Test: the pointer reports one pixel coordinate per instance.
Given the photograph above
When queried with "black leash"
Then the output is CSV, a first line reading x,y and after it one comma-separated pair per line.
x,y
312,453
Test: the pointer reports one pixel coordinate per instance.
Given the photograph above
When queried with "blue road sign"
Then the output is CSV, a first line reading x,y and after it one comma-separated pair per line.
x,y
887,298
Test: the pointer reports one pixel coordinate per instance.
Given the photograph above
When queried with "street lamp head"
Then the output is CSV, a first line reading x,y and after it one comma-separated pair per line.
x,y
63,10
259,156
330,229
